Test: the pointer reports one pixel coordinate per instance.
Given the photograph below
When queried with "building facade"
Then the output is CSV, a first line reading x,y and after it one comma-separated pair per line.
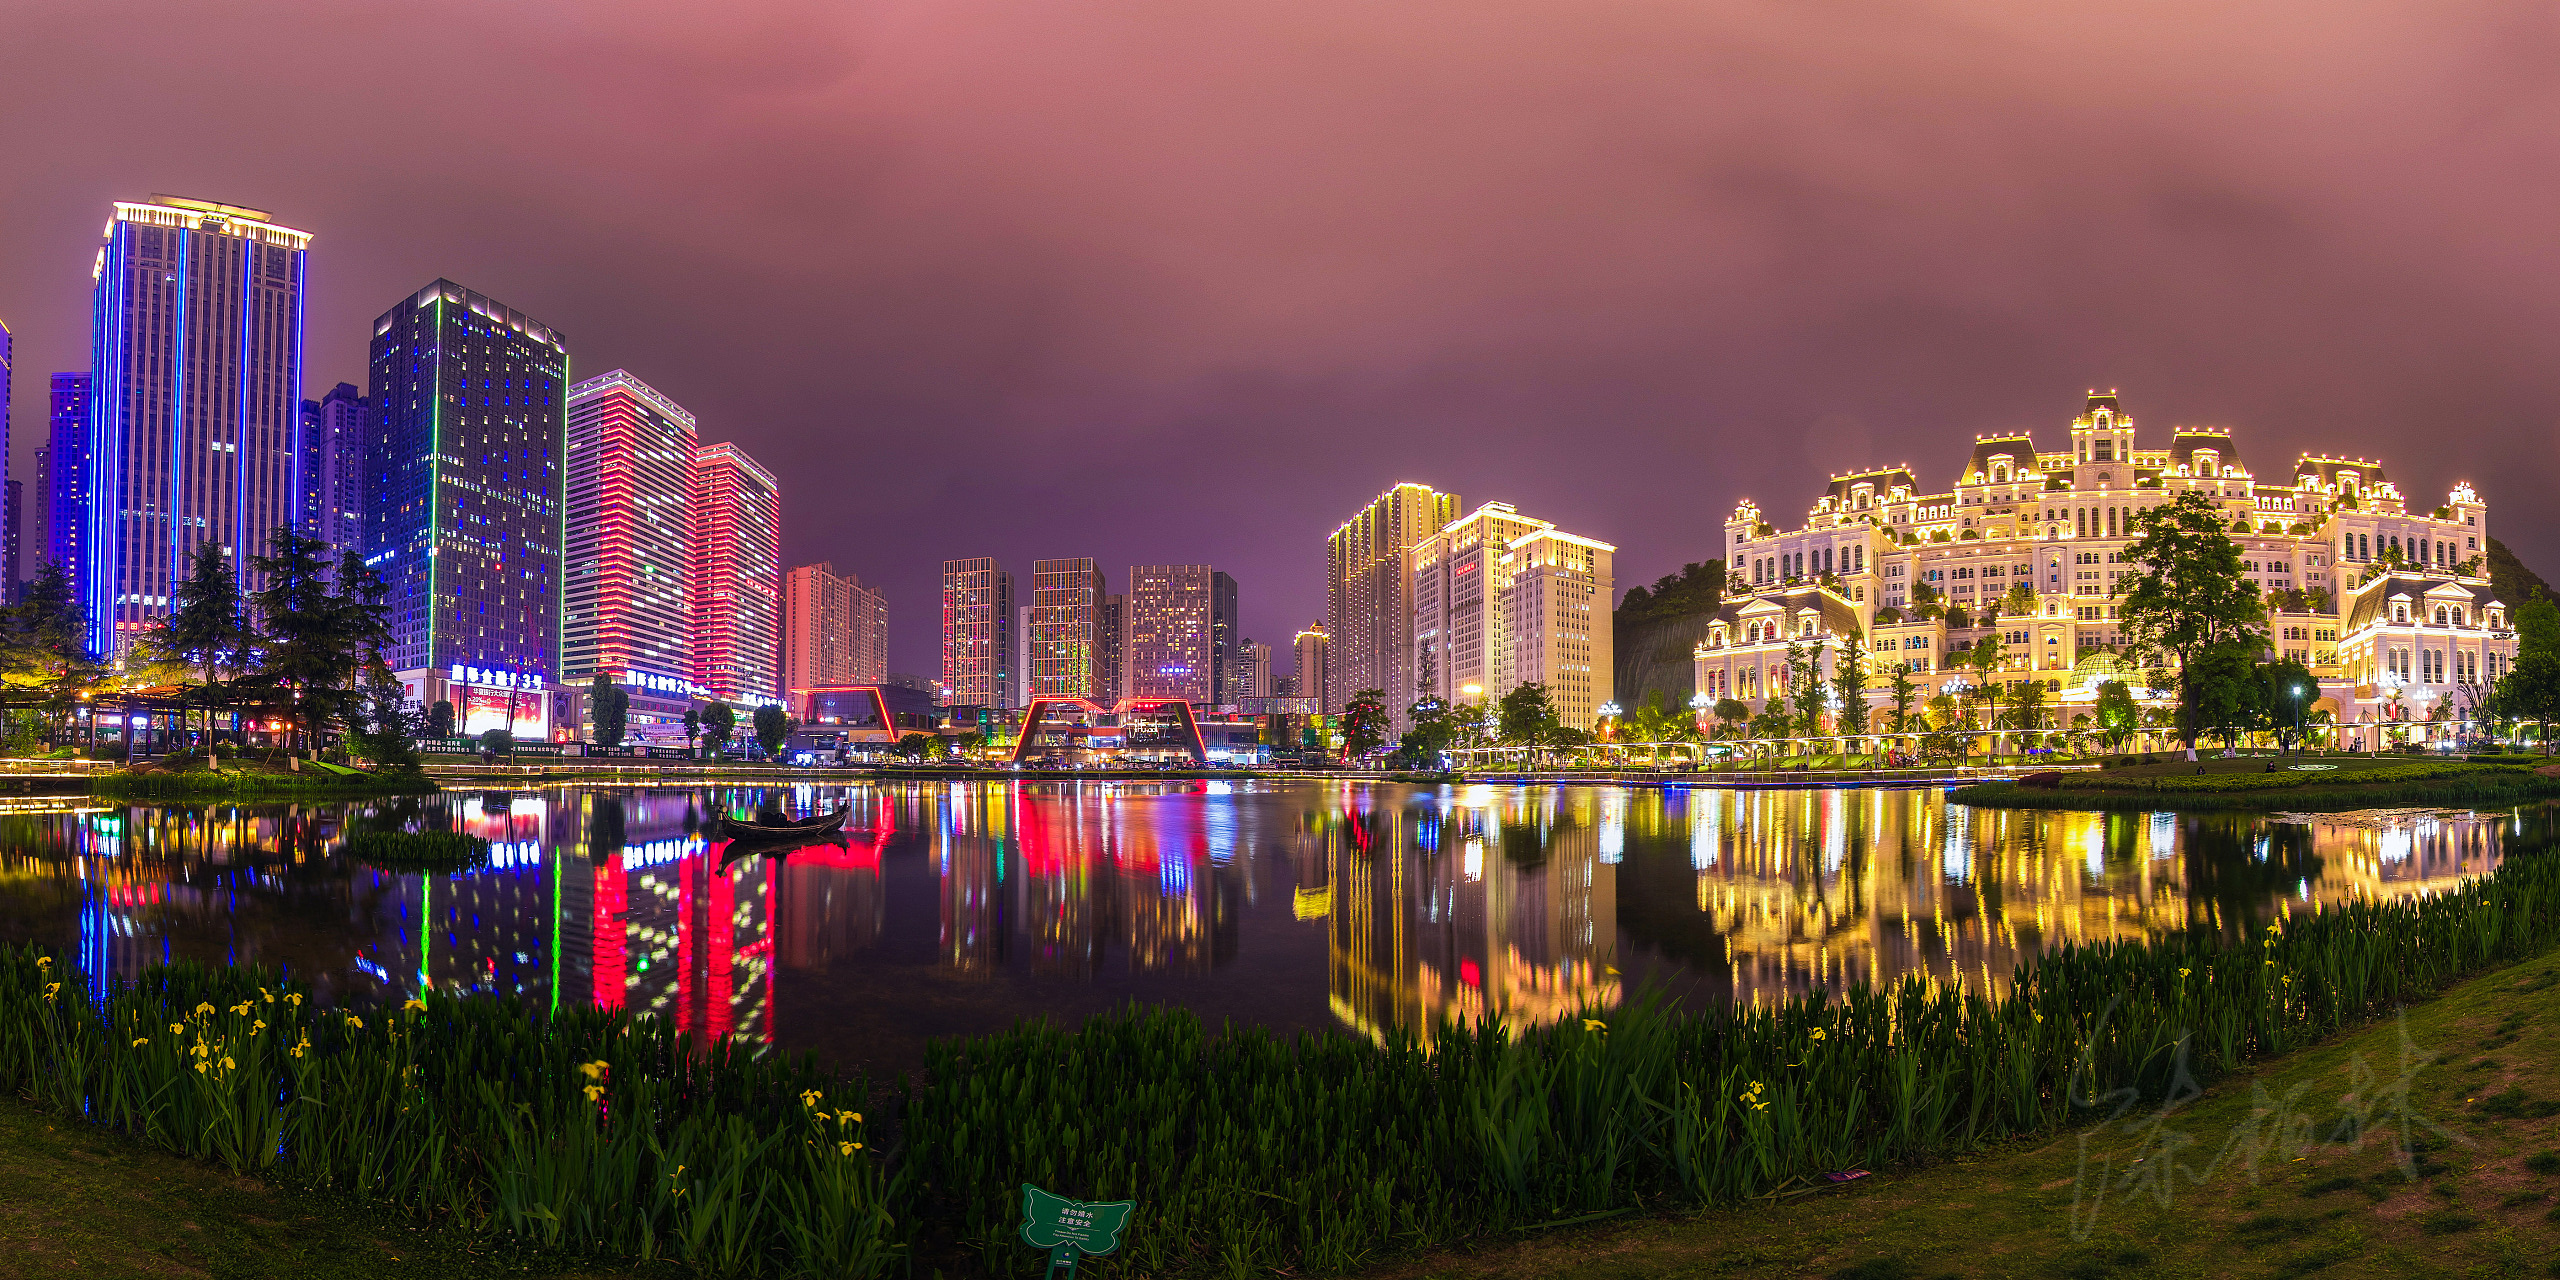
x,y
66,495
332,468
2389,605
737,577
1500,600
464,469
1174,616
977,634
1111,632
627,607
1314,656
834,631
1367,611
196,398
627,603
1063,647
1253,672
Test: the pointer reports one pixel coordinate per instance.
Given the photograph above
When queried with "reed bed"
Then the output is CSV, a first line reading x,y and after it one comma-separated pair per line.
x,y
1245,1151
587,1131
434,850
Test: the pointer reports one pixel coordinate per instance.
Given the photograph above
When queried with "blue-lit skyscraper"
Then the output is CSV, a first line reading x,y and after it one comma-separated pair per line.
x,y
196,398
67,474
463,501
9,553
333,431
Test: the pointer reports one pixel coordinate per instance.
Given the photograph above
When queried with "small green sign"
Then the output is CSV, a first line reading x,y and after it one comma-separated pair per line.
x,y
1069,1228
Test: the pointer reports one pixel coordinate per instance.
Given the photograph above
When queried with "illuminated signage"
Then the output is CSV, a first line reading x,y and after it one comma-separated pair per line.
x,y
494,678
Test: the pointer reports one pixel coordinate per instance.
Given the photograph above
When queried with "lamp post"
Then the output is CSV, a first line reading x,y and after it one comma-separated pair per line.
x,y
2297,719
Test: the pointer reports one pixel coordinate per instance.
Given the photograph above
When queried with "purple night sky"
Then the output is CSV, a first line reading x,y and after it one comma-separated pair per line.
x,y
1184,281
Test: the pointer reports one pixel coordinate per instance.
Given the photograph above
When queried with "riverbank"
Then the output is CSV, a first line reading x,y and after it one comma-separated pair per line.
x,y
2421,1145
2275,784
2418,1147
1351,1150
268,776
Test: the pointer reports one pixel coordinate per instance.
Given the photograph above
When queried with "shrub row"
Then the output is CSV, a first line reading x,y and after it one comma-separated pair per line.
x,y
1244,1151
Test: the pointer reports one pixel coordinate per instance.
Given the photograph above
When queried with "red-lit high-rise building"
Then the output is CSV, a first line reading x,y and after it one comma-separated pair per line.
x,y
627,607
737,577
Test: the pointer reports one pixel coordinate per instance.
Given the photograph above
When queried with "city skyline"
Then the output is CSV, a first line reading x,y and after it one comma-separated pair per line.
x,y
1073,294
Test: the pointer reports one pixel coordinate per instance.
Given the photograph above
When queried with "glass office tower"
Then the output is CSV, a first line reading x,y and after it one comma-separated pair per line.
x,y
464,466
196,397
67,474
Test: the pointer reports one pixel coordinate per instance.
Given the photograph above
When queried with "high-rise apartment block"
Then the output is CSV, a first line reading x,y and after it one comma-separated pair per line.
x,y
834,631
333,430
2388,603
196,353
977,634
66,496
1064,644
1176,615
737,577
1500,600
1367,613
1111,633
1253,671
627,607
1314,647
464,503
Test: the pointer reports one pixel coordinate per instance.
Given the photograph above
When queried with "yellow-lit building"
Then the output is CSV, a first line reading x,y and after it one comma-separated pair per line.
x,y
2388,604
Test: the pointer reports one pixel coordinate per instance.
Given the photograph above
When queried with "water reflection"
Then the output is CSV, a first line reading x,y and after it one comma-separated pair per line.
x,y
957,908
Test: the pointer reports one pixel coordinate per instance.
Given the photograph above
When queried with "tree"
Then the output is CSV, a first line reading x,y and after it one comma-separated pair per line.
x,y
2020,602
1732,714
1434,728
2286,690
305,652
1526,717
2118,716
1958,619
44,641
498,742
1986,658
693,727
773,728
917,746
1364,724
719,720
440,719
2027,712
204,625
2190,597
2228,698
609,705
1905,693
1849,682
1805,686
387,730
2531,689
1924,601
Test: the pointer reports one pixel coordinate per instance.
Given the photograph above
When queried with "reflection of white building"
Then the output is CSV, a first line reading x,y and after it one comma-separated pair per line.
x,y
1501,907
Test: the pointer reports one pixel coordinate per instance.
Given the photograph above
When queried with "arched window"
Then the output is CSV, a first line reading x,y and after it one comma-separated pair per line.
x,y
2442,618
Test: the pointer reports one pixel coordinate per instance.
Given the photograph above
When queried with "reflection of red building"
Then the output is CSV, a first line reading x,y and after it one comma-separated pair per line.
x,y
1132,726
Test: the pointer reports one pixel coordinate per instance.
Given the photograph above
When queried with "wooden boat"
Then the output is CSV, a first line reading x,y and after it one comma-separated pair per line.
x,y
735,830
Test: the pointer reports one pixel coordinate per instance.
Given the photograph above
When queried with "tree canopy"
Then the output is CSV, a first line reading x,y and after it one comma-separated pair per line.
x,y
2190,599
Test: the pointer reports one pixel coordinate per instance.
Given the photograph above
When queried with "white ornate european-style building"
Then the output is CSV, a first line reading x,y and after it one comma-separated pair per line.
x,y
2390,607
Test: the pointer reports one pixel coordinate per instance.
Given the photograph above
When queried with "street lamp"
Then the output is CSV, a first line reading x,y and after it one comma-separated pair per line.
x,y
2297,719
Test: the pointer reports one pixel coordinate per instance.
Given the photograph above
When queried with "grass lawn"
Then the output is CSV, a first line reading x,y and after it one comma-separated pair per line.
x,y
78,1201
2304,783
2427,1146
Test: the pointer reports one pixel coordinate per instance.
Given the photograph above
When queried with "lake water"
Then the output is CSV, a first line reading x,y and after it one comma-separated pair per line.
x,y
953,908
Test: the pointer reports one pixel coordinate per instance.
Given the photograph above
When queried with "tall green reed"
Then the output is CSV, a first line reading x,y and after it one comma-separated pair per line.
x,y
590,1131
